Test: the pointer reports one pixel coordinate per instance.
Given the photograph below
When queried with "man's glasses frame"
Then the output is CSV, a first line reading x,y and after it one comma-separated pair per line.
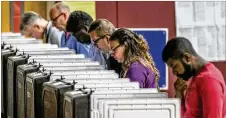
x,y
54,20
98,39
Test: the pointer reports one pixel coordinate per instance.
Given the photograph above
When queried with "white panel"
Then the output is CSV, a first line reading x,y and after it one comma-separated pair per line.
x,y
135,105
84,76
97,98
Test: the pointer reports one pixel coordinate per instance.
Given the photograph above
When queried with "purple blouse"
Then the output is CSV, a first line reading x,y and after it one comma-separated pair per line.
x,y
144,75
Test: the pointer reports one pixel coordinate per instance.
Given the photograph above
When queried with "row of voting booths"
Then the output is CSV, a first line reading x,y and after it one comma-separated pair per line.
x,y
46,81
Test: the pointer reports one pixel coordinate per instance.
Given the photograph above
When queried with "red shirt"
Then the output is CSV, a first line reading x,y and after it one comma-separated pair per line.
x,y
206,95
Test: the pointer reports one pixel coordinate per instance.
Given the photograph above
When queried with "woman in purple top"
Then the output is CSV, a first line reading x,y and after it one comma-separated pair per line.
x,y
132,51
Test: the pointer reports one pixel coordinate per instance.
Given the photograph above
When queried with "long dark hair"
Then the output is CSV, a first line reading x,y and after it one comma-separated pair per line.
x,y
137,49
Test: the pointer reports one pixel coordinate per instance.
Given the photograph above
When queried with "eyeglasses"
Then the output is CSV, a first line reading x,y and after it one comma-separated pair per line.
x,y
54,20
98,39
114,49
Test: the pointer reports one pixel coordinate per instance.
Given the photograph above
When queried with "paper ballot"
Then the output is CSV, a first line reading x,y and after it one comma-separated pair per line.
x,y
203,23
181,9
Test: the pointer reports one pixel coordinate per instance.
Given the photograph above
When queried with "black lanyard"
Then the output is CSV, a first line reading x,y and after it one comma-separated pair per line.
x,y
67,35
47,33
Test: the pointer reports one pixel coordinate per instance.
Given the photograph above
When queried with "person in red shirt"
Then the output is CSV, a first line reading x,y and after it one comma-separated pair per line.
x,y
205,95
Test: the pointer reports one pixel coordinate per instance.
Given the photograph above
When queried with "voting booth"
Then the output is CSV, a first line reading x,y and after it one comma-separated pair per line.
x,y
46,81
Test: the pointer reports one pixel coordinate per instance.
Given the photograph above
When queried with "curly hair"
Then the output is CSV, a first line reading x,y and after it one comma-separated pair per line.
x,y
77,20
137,49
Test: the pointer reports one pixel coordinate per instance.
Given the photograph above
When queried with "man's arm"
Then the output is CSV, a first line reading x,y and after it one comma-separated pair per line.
x,y
180,87
212,94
